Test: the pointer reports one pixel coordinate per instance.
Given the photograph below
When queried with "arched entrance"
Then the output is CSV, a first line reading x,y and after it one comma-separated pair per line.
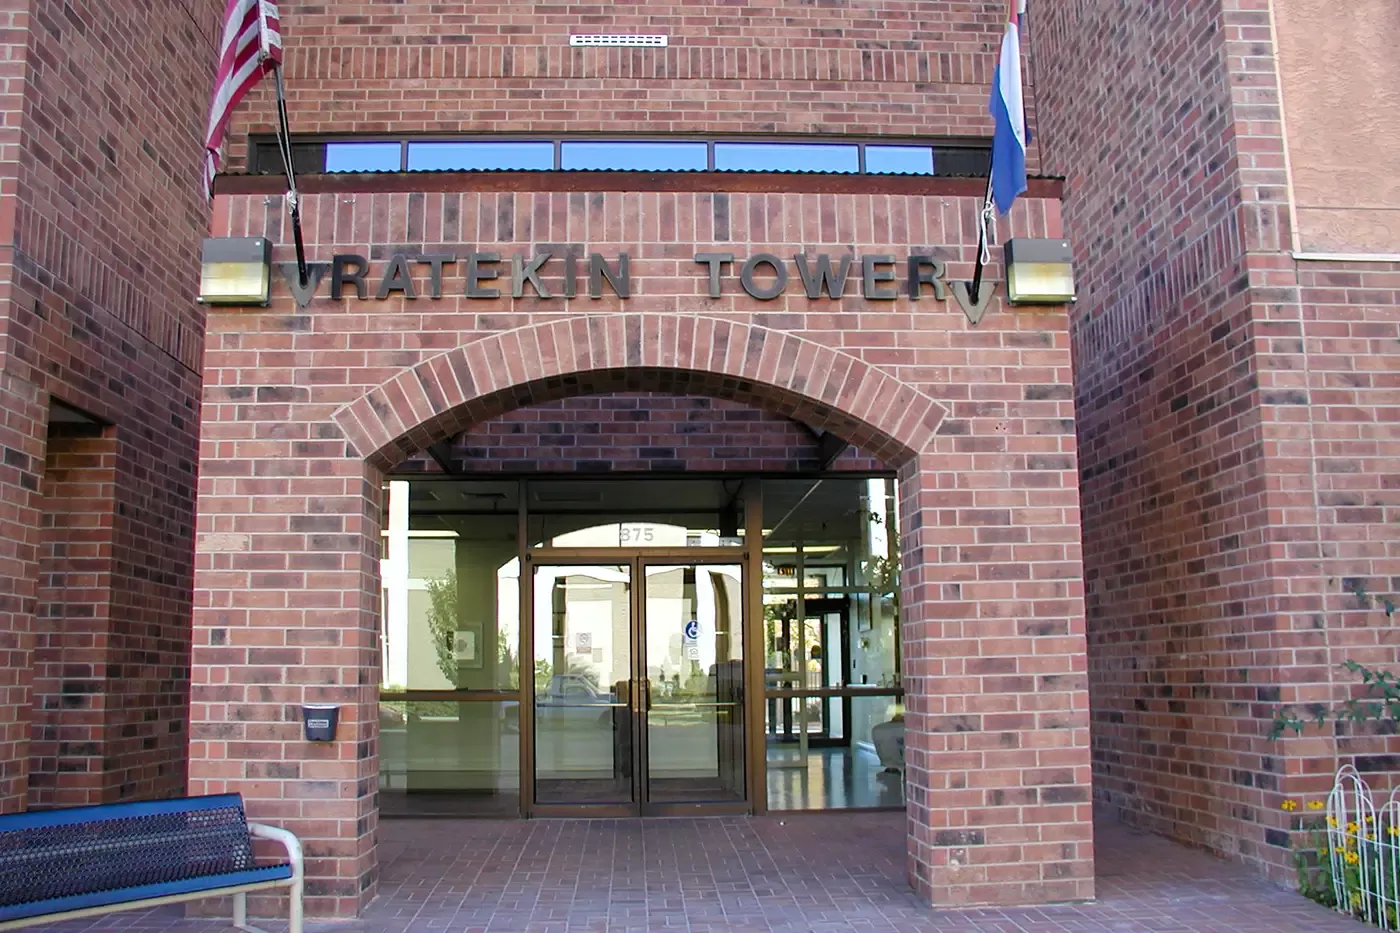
x,y
289,591
576,674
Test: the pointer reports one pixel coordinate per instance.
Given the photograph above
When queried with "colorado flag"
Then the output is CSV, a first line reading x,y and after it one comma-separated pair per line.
x,y
1009,112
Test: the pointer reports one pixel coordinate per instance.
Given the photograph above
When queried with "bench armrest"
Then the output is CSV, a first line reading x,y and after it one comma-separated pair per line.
x,y
288,841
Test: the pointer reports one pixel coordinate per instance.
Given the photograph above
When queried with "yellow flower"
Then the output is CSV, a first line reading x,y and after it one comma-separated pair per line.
x,y
1352,858
1332,822
1393,831
1289,805
1352,827
1316,804
1370,819
1370,837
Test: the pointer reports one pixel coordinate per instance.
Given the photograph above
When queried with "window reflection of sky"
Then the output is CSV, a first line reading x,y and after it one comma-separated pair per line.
x,y
504,156
630,156
362,157
786,157
899,160
634,157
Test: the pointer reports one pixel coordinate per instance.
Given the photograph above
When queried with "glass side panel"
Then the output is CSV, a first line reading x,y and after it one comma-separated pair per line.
x,y
831,554
480,156
899,160
440,758
583,669
451,577
363,157
634,156
866,772
786,157
694,667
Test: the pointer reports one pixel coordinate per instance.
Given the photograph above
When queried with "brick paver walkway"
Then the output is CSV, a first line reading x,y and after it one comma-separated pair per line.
x,y
799,874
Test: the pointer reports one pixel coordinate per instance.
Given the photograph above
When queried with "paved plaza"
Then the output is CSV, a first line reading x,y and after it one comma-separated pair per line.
x,y
818,873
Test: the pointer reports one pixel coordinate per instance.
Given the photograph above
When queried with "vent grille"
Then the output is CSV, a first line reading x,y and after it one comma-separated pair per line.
x,y
647,41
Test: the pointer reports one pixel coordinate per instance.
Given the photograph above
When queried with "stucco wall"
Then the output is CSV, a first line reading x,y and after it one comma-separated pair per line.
x,y
1340,72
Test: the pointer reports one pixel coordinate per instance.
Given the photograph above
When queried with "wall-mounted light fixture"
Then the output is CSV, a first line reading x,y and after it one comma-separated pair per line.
x,y
1039,272
236,271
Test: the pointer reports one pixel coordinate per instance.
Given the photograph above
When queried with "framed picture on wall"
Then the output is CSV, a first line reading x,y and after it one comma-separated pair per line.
x,y
467,647
863,603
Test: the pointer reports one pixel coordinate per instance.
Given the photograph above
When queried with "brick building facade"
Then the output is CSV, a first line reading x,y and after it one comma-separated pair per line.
x,y
309,409
1221,396
1237,222
100,347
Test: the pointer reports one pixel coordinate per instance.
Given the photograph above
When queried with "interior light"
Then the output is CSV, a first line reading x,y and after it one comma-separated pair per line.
x,y
1039,272
236,271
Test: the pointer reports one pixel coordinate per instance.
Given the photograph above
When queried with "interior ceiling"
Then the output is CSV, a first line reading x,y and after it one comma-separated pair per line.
x,y
827,509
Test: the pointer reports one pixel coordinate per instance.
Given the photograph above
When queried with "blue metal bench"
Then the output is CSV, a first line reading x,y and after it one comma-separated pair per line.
x,y
60,864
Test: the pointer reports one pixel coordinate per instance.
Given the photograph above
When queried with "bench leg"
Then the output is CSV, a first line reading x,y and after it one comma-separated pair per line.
x,y
240,910
295,919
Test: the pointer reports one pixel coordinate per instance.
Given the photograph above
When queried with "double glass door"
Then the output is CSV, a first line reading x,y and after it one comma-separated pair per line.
x,y
639,687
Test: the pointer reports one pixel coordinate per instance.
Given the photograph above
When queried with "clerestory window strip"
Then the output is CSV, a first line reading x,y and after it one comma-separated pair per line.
x,y
655,154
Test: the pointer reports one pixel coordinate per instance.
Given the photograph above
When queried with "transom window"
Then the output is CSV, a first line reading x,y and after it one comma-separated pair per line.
x,y
874,157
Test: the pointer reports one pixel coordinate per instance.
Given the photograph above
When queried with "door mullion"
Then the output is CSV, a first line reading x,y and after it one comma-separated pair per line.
x,y
640,787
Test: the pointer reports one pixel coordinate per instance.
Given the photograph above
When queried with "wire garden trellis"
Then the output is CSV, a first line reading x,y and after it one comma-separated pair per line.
x,y
1358,851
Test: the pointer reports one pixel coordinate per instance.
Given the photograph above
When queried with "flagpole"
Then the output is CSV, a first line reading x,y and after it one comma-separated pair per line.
x,y
284,142
284,133
983,221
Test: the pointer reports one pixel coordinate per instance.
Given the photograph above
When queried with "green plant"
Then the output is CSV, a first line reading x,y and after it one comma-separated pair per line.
x,y
1312,859
1379,703
442,623
1340,865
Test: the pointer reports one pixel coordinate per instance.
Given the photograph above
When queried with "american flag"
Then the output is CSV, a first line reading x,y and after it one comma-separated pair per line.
x,y
251,47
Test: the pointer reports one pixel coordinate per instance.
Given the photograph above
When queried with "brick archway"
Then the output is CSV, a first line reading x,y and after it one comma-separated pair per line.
x,y
289,593
771,369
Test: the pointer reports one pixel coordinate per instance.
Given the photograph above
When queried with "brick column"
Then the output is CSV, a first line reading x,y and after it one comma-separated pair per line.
x,y
21,466
287,612
997,707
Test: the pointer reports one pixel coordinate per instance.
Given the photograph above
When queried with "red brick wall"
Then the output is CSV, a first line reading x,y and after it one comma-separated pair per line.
x,y
894,67
639,432
100,221
1177,582
1231,433
304,409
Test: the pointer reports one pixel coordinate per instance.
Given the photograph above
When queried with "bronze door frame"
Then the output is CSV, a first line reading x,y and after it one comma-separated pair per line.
x,y
637,560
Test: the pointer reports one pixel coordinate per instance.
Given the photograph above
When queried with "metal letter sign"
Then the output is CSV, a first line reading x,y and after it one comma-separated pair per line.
x,y
763,276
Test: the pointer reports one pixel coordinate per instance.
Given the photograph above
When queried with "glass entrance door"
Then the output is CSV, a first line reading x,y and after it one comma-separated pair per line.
x,y
639,687
694,651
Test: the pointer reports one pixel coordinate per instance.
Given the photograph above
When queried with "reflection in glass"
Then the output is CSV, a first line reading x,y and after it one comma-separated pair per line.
x,y
451,624
480,156
660,513
583,662
786,157
363,157
451,590
440,758
851,775
694,665
830,616
634,156
899,160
